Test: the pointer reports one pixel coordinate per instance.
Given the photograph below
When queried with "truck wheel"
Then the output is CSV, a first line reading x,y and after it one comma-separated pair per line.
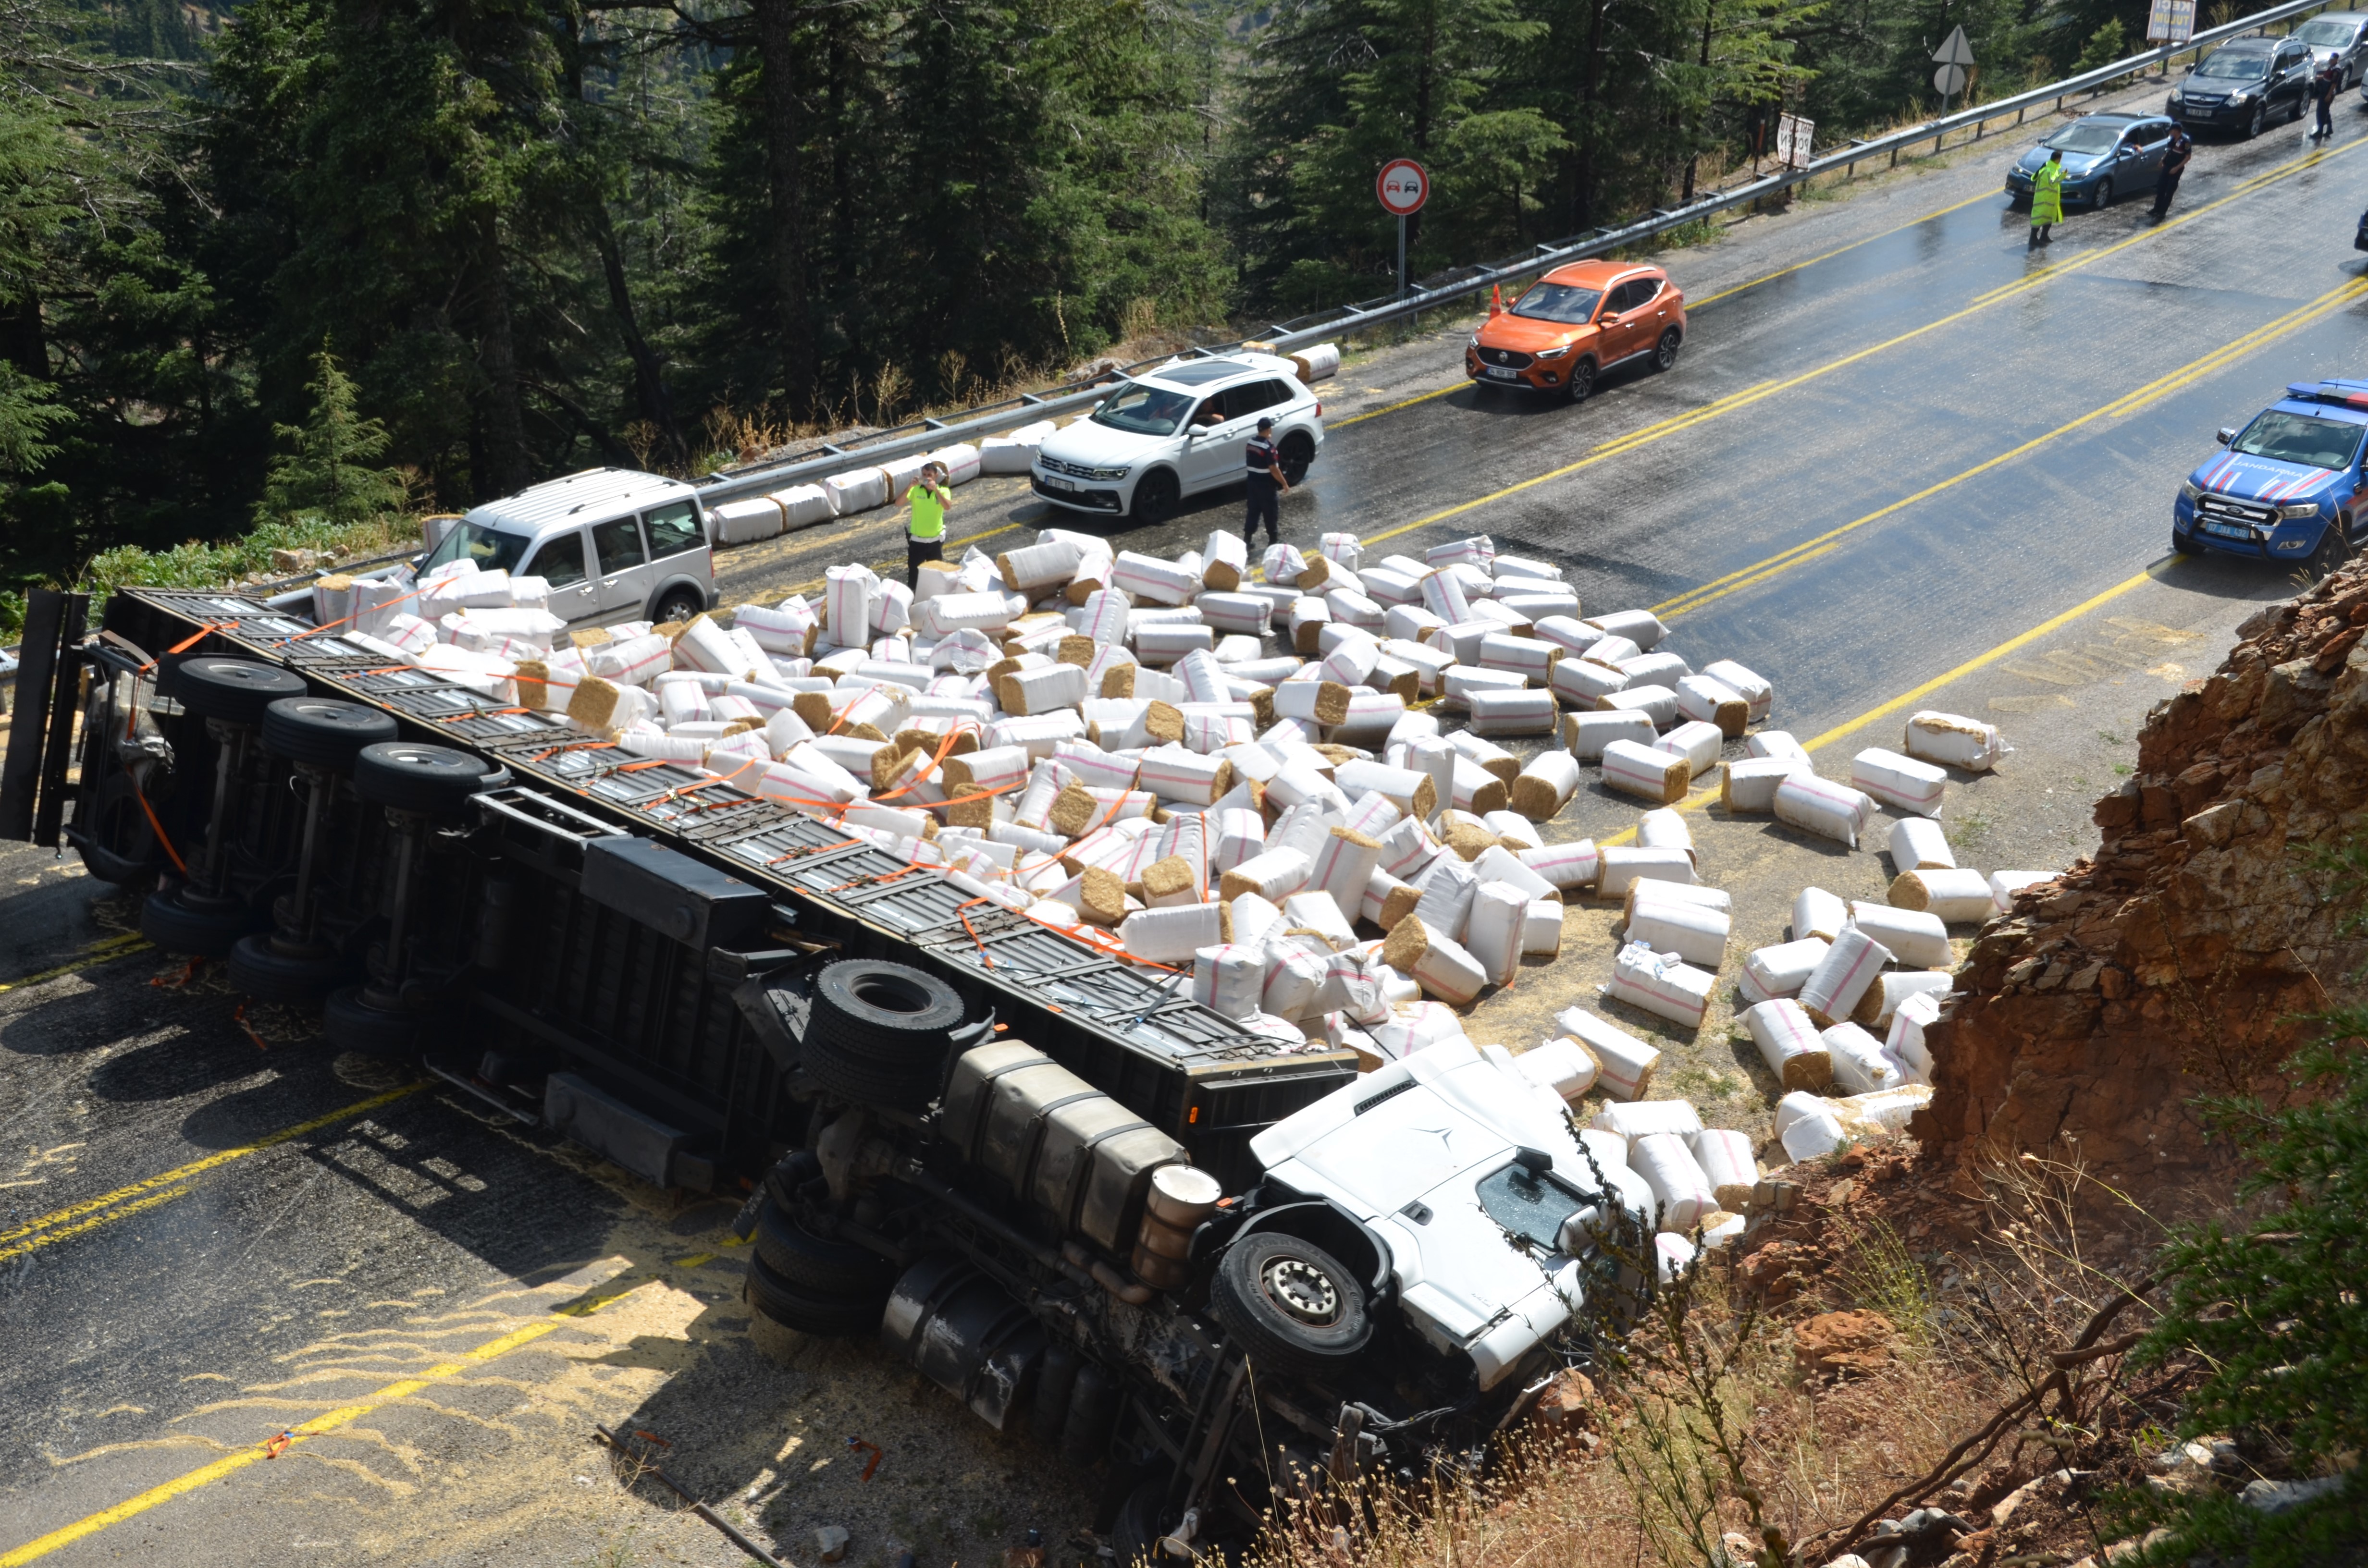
x,y
352,1024
836,1317
1134,1534
262,972
323,731
820,1265
884,1015
2184,544
236,692
435,781
207,931
2328,557
1290,1304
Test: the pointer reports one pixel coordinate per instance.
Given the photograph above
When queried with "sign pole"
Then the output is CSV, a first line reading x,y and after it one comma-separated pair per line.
x,y
1402,277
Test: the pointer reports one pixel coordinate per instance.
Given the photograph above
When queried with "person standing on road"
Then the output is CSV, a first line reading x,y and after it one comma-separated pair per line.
x,y
2047,199
2324,86
2174,163
925,529
1266,486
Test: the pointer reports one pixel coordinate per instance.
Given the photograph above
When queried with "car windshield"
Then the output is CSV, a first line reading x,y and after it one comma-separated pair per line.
x,y
2299,439
1144,411
2085,136
1565,303
2231,65
491,548
2326,34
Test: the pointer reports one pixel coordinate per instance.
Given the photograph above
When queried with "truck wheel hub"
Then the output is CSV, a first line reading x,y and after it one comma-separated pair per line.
x,y
1302,1291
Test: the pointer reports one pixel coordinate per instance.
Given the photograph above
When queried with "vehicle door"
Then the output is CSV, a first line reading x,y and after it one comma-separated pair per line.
x,y
559,560
1625,312
2152,140
2290,75
677,541
623,563
1212,451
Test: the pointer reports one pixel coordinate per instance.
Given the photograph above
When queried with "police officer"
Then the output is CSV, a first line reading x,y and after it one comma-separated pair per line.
x,y
2174,163
925,529
1264,466
2047,199
2324,86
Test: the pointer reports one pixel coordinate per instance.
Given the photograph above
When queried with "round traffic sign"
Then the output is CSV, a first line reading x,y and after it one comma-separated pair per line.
x,y
1403,186
1949,80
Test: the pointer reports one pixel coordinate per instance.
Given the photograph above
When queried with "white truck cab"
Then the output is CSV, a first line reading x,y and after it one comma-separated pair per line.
x,y
1467,1169
614,545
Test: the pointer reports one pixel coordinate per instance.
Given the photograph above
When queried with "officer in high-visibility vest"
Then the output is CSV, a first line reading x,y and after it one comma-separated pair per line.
x,y
925,529
2047,199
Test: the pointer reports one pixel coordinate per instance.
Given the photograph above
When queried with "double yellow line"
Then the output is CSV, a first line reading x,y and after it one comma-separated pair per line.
x,y
2162,386
80,1219
103,951
344,1415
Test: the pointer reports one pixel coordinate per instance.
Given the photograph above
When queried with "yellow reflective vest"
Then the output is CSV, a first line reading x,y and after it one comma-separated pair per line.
x,y
928,519
2047,194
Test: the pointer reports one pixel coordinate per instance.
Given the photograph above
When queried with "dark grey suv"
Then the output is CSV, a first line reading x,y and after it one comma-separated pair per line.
x,y
2244,85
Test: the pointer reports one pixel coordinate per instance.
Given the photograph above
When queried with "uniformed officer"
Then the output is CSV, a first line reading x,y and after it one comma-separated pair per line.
x,y
925,529
2324,84
2174,163
2047,199
1264,466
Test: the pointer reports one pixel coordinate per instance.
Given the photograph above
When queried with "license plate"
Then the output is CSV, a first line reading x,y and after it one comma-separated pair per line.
x,y
1052,482
1504,375
2224,530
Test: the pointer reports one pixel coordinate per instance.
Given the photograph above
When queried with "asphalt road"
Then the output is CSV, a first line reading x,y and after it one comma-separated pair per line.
x,y
1902,462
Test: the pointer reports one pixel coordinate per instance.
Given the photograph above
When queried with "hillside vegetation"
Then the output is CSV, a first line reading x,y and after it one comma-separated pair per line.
x,y
543,234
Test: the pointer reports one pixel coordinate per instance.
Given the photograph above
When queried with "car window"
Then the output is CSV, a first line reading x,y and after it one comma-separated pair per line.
x,y
1565,303
1641,292
2289,57
559,560
1211,412
2323,33
618,543
1621,298
674,529
1252,396
2299,439
2152,131
491,548
1143,409
2233,65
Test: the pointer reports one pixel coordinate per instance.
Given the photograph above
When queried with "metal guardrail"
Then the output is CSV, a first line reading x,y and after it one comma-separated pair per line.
x,y
991,418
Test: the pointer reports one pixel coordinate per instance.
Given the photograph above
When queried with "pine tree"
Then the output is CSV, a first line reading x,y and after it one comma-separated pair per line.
x,y
326,470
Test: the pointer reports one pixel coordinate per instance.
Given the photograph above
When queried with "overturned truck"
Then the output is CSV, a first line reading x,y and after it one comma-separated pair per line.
x,y
1086,1205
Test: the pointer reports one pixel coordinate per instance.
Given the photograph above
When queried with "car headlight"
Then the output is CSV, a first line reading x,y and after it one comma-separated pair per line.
x,y
1474,344
2177,99
1112,473
2300,509
2238,100
2191,492
1554,353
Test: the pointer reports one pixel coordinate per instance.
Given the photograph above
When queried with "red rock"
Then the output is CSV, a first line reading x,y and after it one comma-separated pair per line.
x,y
1837,1343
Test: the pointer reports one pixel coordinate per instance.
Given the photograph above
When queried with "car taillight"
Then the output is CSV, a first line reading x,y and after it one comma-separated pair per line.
x,y
1319,408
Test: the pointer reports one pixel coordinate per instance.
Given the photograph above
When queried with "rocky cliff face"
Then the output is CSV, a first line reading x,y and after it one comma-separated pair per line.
x,y
2176,960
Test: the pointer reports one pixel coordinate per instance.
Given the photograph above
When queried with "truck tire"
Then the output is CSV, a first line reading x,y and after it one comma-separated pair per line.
x,y
1093,1416
206,931
322,732
884,1015
352,1024
818,1264
435,781
236,692
833,1317
1290,1304
1048,1410
2330,554
262,972
1134,1534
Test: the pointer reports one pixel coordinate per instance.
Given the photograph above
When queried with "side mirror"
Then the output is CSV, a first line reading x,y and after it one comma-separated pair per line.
x,y
2227,434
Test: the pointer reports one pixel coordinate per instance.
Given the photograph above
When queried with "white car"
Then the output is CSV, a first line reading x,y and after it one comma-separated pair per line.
x,y
1466,1169
614,545
1177,431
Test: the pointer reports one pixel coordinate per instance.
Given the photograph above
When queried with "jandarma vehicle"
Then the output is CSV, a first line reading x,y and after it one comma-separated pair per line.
x,y
2244,83
2103,154
1576,323
2288,486
1177,431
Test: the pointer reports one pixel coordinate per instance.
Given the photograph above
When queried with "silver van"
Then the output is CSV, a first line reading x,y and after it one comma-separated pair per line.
x,y
613,544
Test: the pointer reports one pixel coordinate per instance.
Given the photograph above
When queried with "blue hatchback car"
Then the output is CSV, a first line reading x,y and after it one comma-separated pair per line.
x,y
2286,487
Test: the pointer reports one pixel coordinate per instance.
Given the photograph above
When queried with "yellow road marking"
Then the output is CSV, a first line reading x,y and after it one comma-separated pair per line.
x,y
125,1212
1701,798
113,948
140,1189
230,1464
2229,353
1765,389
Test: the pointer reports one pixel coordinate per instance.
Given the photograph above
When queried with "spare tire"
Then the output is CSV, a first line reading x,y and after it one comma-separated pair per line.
x,y
884,1015
322,732
435,781
236,692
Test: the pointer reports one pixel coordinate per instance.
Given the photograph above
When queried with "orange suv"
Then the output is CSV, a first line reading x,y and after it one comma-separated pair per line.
x,y
1577,322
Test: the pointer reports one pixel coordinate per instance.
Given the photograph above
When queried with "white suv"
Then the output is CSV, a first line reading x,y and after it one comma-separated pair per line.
x,y
613,544
1177,431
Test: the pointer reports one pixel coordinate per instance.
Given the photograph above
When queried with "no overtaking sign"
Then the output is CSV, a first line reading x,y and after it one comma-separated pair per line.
x,y
1403,186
